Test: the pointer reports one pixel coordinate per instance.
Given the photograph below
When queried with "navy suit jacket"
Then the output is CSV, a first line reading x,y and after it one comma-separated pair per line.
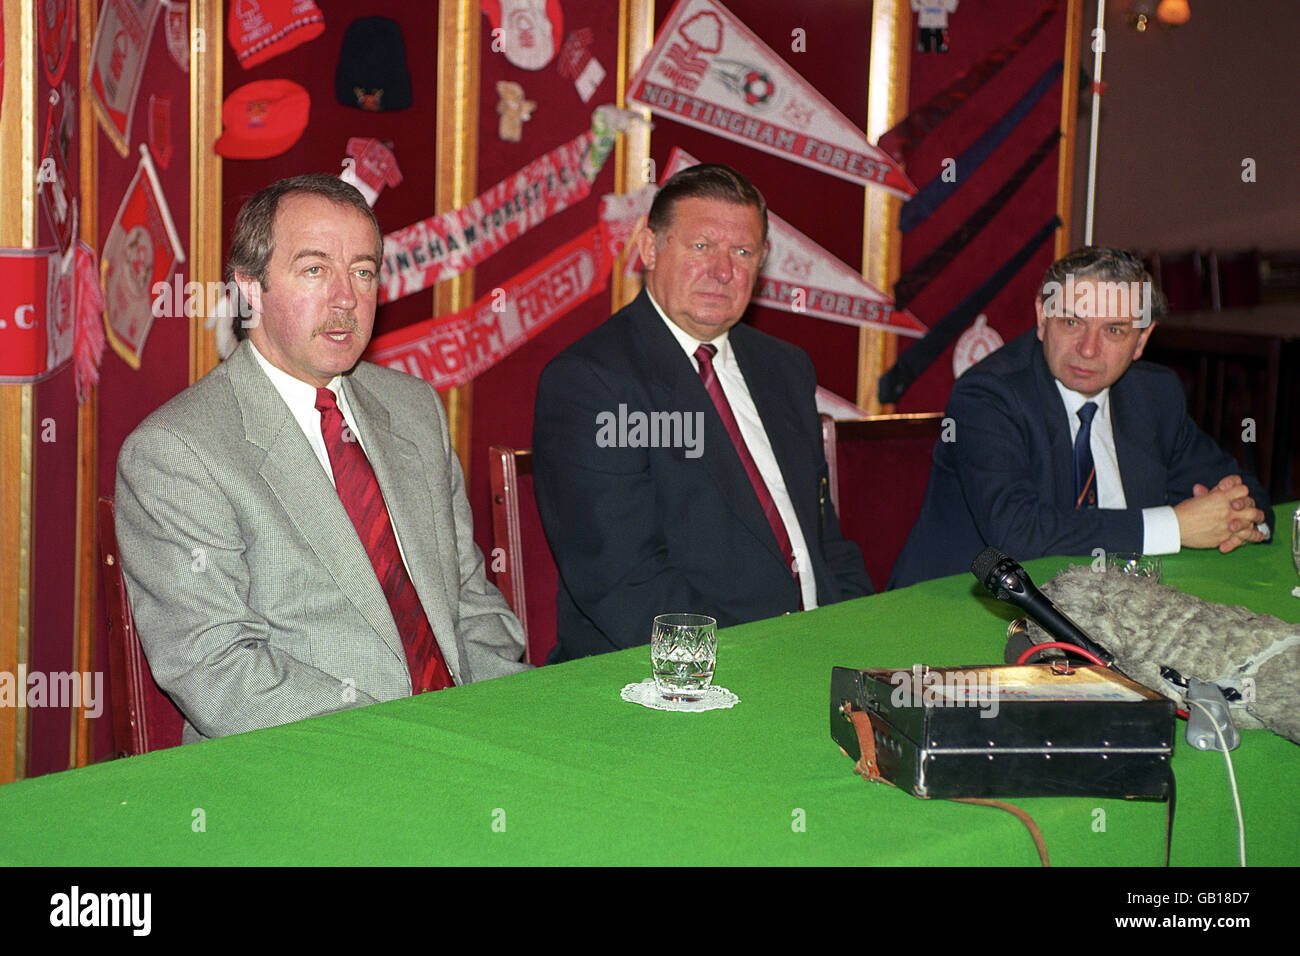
x,y
638,532
1006,479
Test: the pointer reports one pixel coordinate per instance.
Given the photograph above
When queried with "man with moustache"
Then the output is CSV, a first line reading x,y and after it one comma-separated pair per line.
x,y
739,526
294,530
1065,443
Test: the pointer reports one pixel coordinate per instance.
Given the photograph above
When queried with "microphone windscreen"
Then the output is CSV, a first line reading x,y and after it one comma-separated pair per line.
x,y
1148,625
985,562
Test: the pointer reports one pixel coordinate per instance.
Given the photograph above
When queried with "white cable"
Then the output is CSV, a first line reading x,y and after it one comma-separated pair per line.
x,y
1232,780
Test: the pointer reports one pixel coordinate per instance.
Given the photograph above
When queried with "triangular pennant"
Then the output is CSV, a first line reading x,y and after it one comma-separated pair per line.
x,y
802,277
709,71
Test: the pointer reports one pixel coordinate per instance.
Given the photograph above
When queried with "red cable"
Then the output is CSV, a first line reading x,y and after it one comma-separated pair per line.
x,y
1047,645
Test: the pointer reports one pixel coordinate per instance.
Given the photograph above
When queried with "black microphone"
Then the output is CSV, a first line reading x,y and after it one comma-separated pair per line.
x,y
1008,581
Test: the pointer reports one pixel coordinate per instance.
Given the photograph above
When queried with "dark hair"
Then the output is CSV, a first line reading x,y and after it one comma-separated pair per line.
x,y
253,240
705,181
1106,263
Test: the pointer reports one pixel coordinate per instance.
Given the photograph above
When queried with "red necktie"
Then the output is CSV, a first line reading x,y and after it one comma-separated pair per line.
x,y
359,491
704,355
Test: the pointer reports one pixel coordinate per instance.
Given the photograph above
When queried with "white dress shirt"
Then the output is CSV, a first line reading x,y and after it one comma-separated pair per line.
x,y
751,429
1160,533
301,399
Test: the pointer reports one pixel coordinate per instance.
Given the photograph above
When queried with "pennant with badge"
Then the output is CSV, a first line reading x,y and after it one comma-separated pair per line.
x,y
176,28
54,182
800,276
709,71
56,25
122,39
142,249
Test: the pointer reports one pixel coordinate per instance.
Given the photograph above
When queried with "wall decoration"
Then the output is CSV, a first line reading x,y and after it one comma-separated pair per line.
x,y
937,191
262,119
88,338
122,37
451,350
160,129
35,335
54,182
142,248
527,31
898,142
975,343
176,28
56,24
261,29
922,273
515,110
918,357
577,63
442,246
372,73
801,277
370,166
709,71
932,24
837,407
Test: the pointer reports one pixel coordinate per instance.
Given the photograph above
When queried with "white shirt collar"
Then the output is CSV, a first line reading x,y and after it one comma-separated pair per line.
x,y
1076,400
296,393
689,343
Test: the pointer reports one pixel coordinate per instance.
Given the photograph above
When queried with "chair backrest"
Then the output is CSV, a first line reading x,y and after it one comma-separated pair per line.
x,y
879,470
144,718
521,558
1181,276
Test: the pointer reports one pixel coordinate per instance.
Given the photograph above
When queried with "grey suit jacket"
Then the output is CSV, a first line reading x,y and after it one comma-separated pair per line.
x,y
254,599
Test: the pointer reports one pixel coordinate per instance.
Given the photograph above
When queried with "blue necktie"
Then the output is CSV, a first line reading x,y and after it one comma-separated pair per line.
x,y
1085,473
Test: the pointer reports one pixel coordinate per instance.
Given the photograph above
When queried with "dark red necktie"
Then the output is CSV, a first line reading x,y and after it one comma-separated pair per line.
x,y
359,491
704,355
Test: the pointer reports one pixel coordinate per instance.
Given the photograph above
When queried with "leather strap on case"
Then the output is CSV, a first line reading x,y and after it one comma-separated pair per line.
x,y
867,766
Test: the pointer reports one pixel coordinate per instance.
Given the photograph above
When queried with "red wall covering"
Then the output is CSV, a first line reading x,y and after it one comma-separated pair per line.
x,y
977,30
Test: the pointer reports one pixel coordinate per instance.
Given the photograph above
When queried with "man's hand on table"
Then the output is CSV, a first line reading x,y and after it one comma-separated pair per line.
x,y
1223,517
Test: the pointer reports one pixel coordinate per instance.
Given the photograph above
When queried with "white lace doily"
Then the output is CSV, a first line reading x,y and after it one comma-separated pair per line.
x,y
647,695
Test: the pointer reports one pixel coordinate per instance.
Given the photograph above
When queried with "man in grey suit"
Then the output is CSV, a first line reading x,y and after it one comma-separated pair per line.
x,y
294,529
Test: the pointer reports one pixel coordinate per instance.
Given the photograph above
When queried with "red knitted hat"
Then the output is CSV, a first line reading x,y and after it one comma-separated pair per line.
x,y
260,29
263,118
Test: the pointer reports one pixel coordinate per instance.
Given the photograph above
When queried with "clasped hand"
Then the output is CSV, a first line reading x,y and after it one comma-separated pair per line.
x,y
1222,517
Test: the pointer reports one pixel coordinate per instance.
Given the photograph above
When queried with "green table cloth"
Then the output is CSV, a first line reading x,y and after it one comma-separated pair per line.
x,y
552,767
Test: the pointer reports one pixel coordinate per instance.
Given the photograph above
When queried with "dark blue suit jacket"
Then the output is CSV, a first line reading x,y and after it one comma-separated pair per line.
x,y
638,532
1007,478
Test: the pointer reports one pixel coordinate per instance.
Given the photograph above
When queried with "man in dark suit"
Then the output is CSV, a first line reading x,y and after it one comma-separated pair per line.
x,y
1064,444
677,455
294,529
